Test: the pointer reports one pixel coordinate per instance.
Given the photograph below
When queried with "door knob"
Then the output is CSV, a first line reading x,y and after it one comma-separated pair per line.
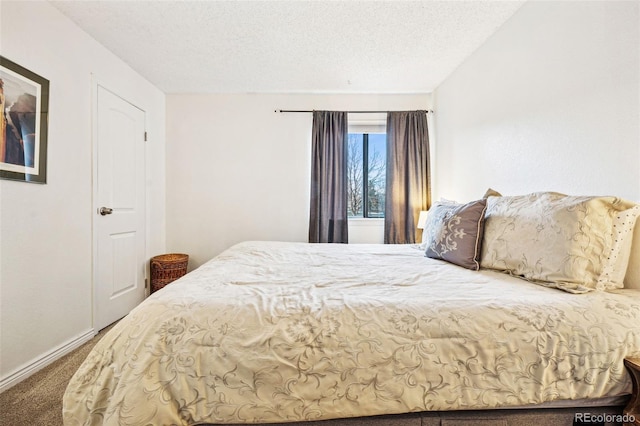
x,y
105,211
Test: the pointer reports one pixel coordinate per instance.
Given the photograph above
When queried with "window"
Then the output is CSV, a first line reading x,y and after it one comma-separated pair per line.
x,y
366,174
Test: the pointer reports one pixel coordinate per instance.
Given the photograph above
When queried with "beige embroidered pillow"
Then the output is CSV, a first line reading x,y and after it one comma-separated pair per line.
x,y
491,193
554,239
453,232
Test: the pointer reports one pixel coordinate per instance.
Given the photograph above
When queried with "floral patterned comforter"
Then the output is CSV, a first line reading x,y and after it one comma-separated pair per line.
x,y
273,332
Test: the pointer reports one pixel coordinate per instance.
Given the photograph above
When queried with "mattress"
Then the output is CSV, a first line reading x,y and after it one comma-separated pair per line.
x,y
281,332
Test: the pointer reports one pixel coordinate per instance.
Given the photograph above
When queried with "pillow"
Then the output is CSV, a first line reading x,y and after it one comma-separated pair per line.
x,y
491,193
556,240
425,234
454,232
615,267
632,278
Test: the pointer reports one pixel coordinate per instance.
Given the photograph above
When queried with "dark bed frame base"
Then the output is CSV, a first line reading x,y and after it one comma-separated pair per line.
x,y
587,416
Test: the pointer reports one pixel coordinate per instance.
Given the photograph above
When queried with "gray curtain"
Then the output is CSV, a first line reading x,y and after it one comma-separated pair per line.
x,y
328,216
408,188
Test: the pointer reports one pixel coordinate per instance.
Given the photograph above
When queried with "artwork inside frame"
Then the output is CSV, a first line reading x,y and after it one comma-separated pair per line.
x,y
24,108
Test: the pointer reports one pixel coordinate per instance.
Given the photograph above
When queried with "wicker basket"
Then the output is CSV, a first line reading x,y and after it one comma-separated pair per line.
x,y
166,268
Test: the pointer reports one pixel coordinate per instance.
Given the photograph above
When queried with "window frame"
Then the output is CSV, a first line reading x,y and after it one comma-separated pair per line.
x,y
365,174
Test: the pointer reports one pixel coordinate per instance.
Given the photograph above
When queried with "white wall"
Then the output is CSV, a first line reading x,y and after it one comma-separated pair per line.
x,y
237,170
46,230
549,102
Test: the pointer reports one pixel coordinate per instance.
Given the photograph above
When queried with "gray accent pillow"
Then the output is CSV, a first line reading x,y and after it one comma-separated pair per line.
x,y
454,233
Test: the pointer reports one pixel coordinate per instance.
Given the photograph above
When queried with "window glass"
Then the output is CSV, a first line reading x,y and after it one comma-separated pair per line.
x,y
366,173
355,173
376,174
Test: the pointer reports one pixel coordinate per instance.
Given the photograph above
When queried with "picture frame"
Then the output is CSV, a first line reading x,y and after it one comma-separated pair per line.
x,y
24,116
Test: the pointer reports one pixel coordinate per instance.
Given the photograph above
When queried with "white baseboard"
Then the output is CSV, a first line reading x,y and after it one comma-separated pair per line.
x,y
27,370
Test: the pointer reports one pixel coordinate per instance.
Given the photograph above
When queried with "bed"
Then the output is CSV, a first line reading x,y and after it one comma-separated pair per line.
x,y
278,332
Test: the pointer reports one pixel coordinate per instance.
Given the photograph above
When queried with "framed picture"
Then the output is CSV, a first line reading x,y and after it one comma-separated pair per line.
x,y
24,105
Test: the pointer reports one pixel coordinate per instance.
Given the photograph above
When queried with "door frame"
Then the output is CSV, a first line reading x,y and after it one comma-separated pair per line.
x,y
95,84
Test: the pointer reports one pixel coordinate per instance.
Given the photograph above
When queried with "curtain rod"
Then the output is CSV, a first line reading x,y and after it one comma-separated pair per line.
x,y
350,112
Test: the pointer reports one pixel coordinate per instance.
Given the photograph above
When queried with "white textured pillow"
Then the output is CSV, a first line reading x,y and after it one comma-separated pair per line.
x,y
615,267
632,279
556,240
425,232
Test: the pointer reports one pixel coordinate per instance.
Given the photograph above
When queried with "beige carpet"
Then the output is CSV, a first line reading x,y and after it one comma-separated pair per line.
x,y
38,399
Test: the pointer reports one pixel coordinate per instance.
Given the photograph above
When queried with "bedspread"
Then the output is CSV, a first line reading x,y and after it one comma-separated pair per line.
x,y
274,332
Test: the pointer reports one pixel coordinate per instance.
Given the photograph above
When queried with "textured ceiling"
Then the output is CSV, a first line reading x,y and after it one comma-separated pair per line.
x,y
291,46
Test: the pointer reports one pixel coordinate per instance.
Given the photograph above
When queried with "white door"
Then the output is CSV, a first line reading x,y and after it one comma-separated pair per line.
x,y
120,261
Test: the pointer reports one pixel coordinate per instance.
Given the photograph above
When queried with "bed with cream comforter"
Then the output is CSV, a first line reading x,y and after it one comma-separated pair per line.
x,y
274,332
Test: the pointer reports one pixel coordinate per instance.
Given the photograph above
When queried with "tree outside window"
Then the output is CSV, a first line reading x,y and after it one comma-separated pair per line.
x,y
366,174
